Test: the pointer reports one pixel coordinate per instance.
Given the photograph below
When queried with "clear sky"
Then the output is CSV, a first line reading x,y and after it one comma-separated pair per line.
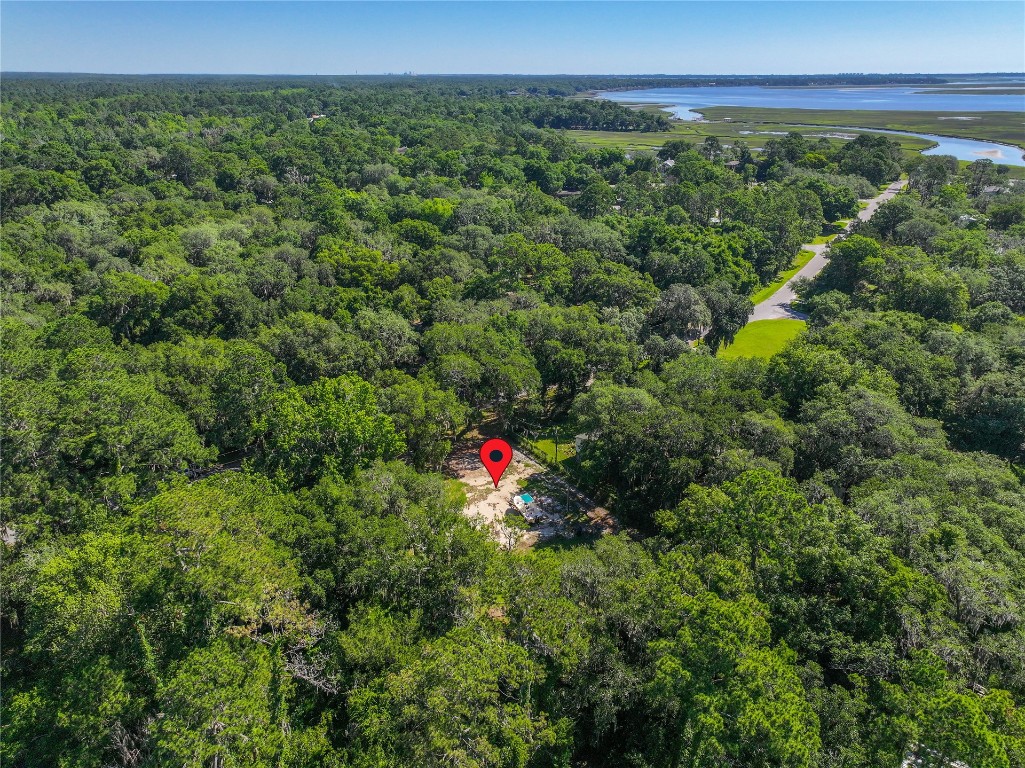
x,y
725,37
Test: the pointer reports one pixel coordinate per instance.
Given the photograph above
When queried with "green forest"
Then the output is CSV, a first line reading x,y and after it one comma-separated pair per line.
x,y
245,322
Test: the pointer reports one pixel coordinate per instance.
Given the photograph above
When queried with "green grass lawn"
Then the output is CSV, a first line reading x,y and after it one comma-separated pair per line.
x,y
762,338
546,447
802,258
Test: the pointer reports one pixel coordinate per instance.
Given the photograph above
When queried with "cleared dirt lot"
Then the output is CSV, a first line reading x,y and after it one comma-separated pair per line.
x,y
568,512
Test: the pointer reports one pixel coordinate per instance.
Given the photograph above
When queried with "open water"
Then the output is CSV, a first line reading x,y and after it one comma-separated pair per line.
x,y
891,98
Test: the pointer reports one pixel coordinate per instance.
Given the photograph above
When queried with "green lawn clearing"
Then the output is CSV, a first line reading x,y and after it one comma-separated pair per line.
x,y
762,338
546,447
763,293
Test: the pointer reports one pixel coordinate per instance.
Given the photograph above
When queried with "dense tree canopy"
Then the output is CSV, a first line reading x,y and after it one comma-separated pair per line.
x,y
239,342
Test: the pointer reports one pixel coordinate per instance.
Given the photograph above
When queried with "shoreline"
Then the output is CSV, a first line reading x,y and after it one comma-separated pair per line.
x,y
867,129
1011,142
1015,149
637,105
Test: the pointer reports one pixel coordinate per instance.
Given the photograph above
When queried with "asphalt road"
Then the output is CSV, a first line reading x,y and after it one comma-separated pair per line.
x,y
778,306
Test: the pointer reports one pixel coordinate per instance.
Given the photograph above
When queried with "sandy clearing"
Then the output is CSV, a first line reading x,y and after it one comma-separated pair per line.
x,y
569,512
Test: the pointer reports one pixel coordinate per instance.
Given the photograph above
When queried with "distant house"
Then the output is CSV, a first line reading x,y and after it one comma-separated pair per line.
x,y
313,117
580,440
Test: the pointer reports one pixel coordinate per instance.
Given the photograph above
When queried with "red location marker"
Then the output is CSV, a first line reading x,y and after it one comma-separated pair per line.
x,y
496,454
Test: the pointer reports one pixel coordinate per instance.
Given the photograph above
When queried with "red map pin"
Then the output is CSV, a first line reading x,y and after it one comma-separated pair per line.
x,y
496,454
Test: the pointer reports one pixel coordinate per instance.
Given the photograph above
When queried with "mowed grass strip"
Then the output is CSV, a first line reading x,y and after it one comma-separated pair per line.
x,y
802,258
762,338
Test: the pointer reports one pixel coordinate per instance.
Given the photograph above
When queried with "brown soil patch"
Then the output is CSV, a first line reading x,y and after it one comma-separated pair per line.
x,y
568,512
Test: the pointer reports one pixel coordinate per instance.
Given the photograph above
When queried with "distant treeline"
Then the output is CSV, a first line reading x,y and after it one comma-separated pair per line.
x,y
362,101
100,85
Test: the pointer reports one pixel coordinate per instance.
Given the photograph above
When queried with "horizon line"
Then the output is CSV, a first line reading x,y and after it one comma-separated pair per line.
x,y
493,74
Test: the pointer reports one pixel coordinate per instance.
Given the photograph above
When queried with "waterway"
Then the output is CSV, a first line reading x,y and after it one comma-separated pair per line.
x,y
682,101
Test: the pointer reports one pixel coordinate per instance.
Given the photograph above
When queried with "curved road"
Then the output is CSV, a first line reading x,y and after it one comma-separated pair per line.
x,y
778,305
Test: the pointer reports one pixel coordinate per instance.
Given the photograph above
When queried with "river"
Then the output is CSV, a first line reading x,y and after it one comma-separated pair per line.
x,y
681,102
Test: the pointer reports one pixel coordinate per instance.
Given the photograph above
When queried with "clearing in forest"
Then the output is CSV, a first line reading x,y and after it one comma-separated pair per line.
x,y
762,338
568,513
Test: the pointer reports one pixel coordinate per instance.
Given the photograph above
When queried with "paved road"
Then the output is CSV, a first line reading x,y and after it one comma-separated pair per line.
x,y
778,305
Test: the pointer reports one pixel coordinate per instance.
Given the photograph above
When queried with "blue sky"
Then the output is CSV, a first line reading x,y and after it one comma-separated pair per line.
x,y
725,37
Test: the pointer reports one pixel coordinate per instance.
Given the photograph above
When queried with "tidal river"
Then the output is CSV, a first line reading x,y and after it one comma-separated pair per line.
x,y
681,102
